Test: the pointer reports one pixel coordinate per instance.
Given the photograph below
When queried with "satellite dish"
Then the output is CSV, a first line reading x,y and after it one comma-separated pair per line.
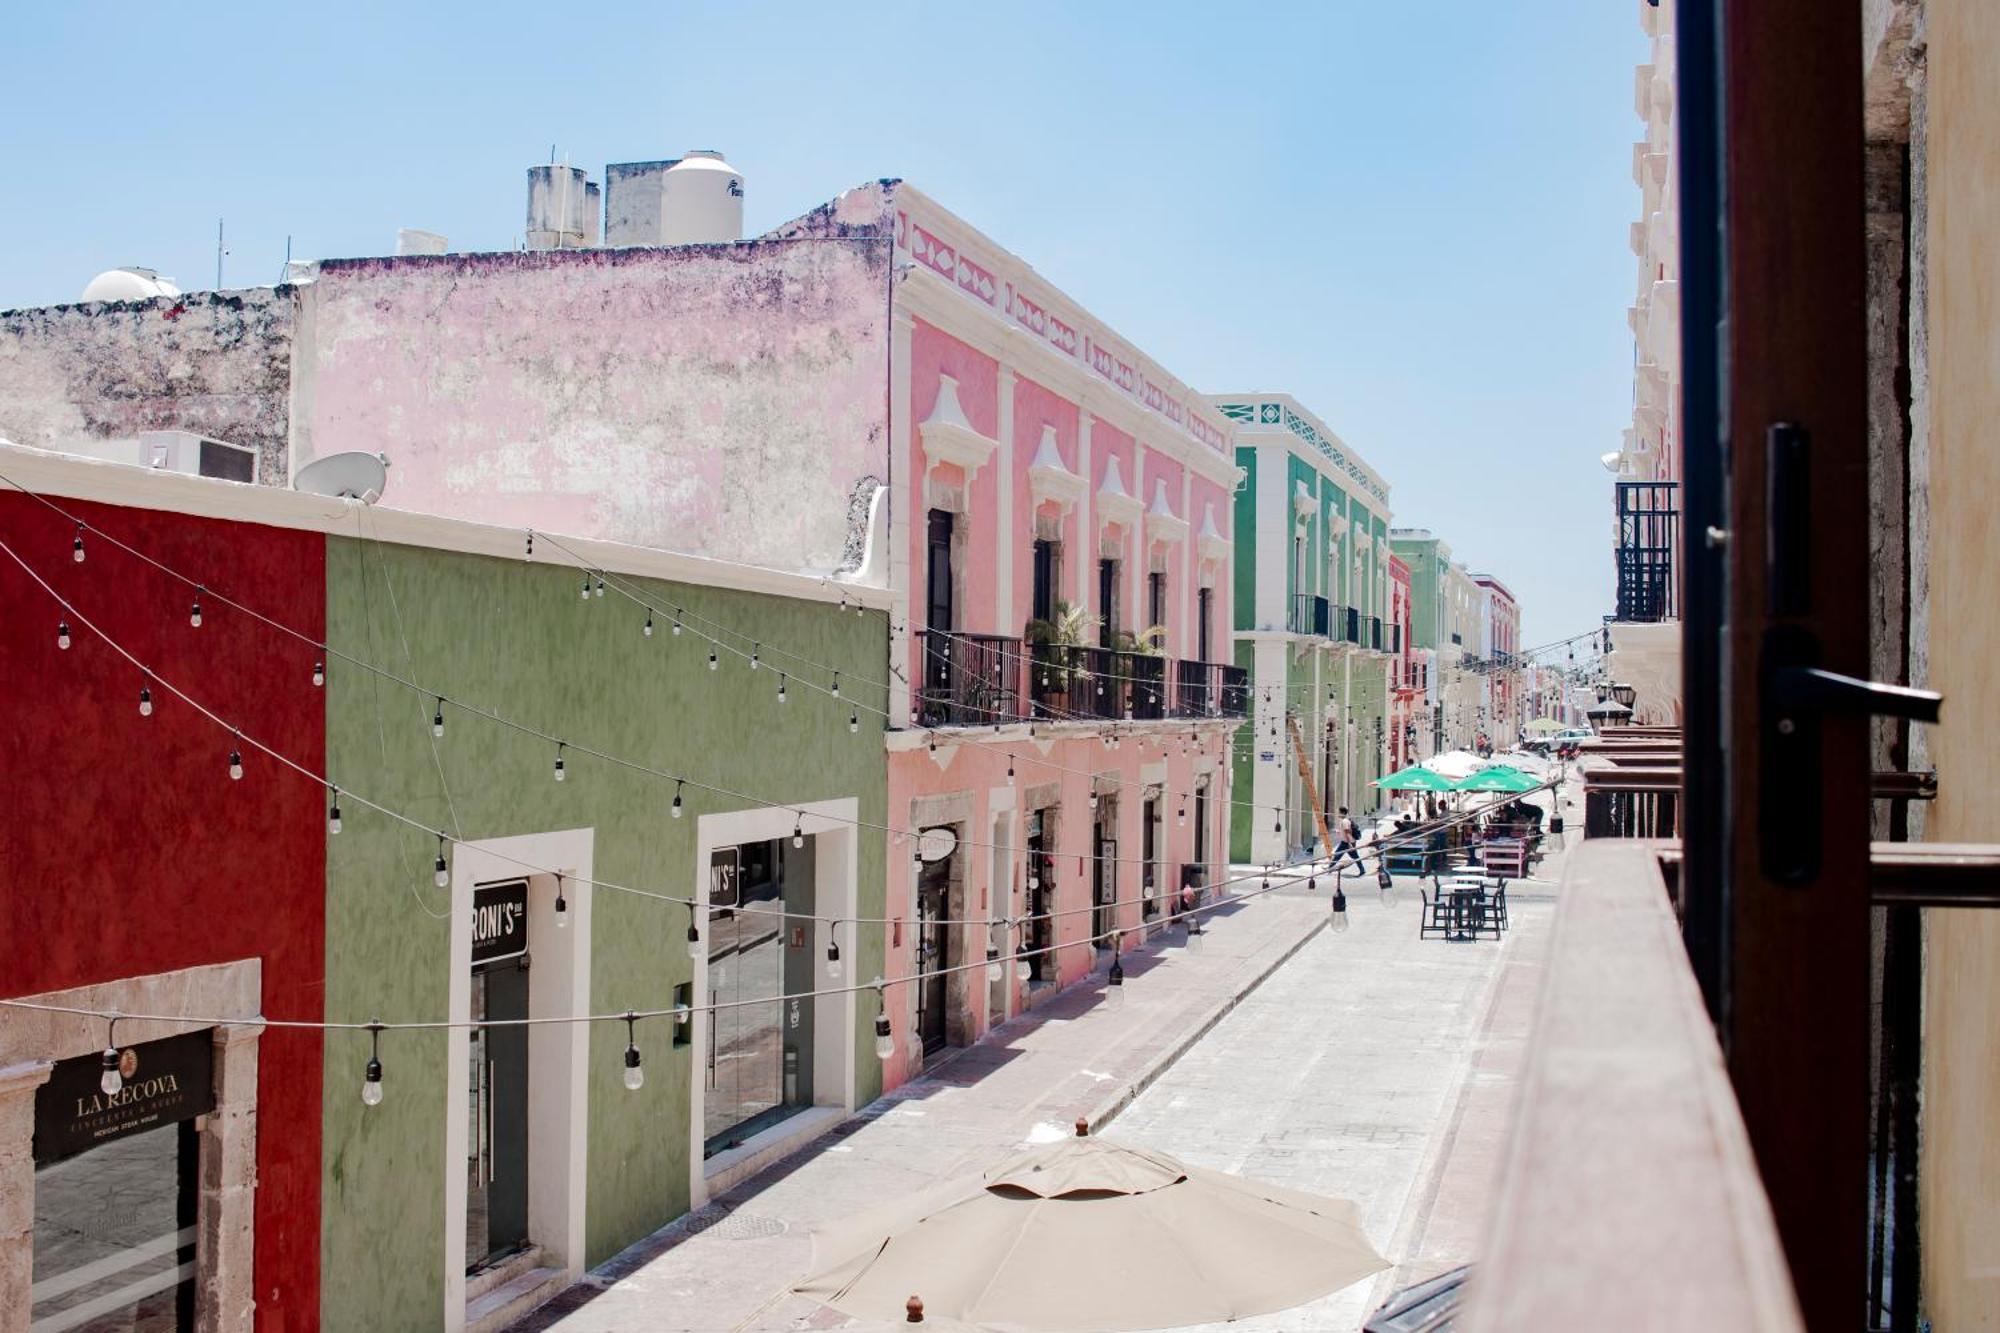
x,y
352,476
935,844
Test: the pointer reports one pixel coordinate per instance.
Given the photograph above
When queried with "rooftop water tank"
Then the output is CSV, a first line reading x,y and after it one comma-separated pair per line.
x,y
701,201
129,284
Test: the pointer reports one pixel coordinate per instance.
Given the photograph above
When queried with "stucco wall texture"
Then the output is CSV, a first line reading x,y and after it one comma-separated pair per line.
x,y
216,363
710,399
518,639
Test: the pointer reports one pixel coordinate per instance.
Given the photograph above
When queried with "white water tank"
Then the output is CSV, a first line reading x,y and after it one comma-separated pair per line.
x,y
701,201
129,284
560,199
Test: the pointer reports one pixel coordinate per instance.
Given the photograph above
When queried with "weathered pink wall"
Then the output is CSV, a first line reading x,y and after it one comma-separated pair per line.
x,y
934,354
1035,408
721,400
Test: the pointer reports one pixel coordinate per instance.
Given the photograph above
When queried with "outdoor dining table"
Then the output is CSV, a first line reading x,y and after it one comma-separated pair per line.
x,y
1466,896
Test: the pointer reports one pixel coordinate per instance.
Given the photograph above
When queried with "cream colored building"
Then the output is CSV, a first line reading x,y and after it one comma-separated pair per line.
x,y
1462,689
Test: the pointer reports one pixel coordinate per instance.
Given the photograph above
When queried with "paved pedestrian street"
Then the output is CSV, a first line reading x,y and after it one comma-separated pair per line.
x,y
1366,1064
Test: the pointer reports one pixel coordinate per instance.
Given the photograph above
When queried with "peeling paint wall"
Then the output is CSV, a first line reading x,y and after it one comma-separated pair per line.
x,y
722,400
216,363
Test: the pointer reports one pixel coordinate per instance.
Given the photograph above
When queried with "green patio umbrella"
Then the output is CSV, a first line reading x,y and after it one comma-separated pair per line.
x,y
1500,777
1543,726
1417,778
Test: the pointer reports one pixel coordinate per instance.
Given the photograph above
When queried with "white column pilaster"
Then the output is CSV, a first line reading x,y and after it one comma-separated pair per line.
x,y
1085,560
1012,535
905,500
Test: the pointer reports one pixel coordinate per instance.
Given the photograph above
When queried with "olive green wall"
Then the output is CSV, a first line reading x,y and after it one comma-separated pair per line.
x,y
1243,589
517,638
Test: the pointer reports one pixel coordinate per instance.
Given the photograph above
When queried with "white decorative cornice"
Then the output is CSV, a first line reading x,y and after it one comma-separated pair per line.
x,y
1212,544
1048,479
1162,523
1114,503
949,437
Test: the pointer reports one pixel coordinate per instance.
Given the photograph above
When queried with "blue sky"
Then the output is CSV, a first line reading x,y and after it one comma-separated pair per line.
x,y
1412,216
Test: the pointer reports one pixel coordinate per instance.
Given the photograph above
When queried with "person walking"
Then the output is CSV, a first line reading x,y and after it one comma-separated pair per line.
x,y
1347,835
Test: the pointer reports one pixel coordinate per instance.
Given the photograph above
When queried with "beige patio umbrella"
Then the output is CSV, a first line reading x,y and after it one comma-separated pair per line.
x,y
1088,1236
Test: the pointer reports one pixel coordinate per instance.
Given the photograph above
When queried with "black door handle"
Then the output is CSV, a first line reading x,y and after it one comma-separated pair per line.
x,y
1812,689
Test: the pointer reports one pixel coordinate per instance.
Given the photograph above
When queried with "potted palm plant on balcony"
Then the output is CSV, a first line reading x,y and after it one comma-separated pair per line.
x,y
1053,653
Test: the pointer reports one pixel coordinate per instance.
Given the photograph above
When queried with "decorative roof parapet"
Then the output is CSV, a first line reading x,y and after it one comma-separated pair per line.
x,y
1269,412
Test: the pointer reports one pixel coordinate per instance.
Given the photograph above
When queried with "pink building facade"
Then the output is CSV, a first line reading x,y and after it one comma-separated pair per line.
x,y
1406,693
1060,558
1502,716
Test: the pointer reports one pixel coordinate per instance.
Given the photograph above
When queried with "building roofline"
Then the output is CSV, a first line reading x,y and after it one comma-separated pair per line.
x,y
68,476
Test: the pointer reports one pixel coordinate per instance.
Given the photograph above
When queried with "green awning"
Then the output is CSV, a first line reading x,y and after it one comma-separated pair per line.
x,y
1417,778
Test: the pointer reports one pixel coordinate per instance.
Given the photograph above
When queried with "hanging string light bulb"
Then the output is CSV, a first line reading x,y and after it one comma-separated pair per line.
x,y
713,661
648,631
529,554
677,622
319,671
836,684
441,873
76,547
694,935
146,697
1339,909
781,687
194,611
885,1037
1114,987
675,809
599,590
437,719
562,904
371,1076
236,759
1010,770
753,657
1385,883
559,773
799,830
62,634
109,1079
333,810
635,1077
833,950
585,592
853,721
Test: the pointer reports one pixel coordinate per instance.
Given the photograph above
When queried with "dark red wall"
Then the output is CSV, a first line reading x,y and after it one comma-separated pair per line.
x,y
125,848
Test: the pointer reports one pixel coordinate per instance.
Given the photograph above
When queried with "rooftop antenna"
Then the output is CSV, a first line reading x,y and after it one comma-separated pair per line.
x,y
219,253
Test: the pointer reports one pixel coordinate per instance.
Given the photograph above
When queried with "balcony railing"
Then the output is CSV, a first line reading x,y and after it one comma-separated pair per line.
x,y
1310,615
1350,630
1375,633
1145,685
1210,689
968,679
1648,518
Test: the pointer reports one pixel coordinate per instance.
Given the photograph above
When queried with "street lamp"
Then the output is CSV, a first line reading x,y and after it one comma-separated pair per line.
x,y
1624,693
1603,691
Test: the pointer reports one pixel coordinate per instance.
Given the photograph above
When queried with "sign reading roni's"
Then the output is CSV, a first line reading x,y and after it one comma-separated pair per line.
x,y
499,921
165,1081
725,877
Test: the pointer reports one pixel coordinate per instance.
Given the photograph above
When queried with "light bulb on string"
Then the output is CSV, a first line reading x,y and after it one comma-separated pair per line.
x,y
333,810
529,554
836,684
319,671
993,968
109,1078
562,905
799,832
675,809
753,657
371,1076
437,719
853,722
146,698
236,759
1010,770
585,593
781,687
694,935
1114,984
559,773
62,634
76,547
833,950
635,1075
885,1037
599,590
649,623
677,622
1339,922
194,611
441,873
712,660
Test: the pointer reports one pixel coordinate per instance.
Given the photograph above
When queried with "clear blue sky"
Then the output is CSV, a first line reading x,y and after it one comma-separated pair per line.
x,y
1412,216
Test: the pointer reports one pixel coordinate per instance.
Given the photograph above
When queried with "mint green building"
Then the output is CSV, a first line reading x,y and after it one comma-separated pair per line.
x,y
1313,625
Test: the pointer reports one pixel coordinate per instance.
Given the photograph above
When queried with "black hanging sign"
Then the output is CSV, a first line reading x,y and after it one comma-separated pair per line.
x,y
499,921
725,877
164,1081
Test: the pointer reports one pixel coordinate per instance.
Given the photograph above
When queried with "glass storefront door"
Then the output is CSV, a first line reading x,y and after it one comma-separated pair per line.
x,y
496,1194
1041,873
760,1054
114,1235
934,953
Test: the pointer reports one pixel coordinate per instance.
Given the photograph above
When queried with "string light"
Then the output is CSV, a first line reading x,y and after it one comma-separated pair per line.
x,y
1010,770
635,1076
319,671
836,684
781,687
677,622
441,874
559,774
333,810
676,807
885,1038
993,972
600,585
62,635
833,951
76,547
585,594
853,722
236,759
799,830
530,553
753,656
649,622
712,659
437,719
1114,988
1339,909
562,906
145,698
194,611
371,1076
109,1080
694,935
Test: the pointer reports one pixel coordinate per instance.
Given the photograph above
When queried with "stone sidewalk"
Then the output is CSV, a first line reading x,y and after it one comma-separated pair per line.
x,y
729,1266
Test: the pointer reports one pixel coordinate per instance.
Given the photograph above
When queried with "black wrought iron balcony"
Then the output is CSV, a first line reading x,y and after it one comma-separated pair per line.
x,y
1310,615
1099,687
968,680
1648,525
1350,632
1145,684
1235,691
1375,633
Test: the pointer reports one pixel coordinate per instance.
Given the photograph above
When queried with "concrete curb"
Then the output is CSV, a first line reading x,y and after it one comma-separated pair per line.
x,y
1107,1110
